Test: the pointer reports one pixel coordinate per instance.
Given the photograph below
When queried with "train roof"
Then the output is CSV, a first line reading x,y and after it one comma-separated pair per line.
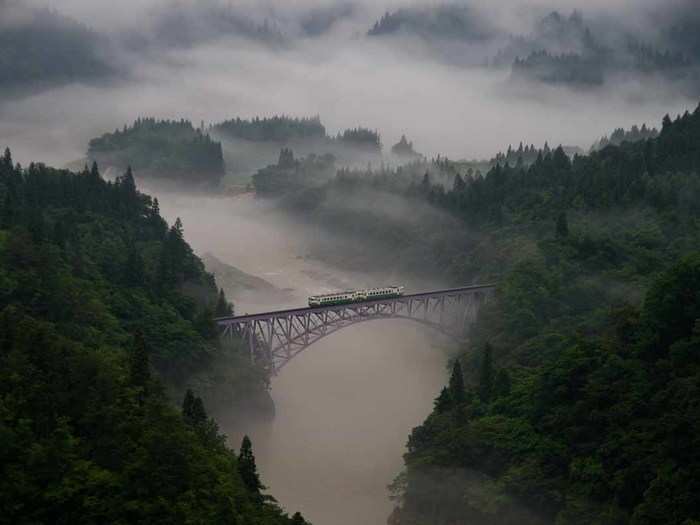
x,y
330,294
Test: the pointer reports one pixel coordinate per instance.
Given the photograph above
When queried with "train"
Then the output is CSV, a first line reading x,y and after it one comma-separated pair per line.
x,y
356,296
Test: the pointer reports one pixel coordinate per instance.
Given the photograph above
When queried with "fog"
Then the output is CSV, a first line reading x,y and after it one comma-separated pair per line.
x,y
346,405
394,87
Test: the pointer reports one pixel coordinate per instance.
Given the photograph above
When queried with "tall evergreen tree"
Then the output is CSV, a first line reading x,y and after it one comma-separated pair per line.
x,y
443,402
459,184
7,159
223,307
456,387
486,374
193,411
248,469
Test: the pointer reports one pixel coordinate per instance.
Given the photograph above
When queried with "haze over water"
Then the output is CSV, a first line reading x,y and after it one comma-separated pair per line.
x,y
345,406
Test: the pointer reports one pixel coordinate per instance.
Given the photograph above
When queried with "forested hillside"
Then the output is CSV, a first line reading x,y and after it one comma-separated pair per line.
x,y
273,129
169,150
103,309
581,399
40,48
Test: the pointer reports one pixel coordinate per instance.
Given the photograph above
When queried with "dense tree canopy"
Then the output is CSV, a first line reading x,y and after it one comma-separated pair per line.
x,y
165,149
103,309
580,380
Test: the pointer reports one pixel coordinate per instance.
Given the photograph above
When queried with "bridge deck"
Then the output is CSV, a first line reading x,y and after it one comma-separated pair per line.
x,y
308,309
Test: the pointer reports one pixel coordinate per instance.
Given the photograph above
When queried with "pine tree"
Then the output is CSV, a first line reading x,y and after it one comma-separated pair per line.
x,y
459,184
486,375
7,159
247,468
298,519
223,307
193,411
456,387
425,185
94,171
443,402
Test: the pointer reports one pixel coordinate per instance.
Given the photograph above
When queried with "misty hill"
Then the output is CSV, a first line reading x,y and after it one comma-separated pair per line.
x,y
441,22
104,308
404,149
238,283
279,129
177,24
249,144
576,399
554,33
40,49
169,150
361,138
620,135
291,175
565,50
526,155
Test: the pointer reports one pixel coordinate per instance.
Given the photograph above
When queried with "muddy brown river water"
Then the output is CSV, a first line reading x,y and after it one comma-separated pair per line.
x,y
345,406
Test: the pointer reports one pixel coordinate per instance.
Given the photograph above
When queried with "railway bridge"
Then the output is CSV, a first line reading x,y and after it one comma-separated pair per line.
x,y
277,337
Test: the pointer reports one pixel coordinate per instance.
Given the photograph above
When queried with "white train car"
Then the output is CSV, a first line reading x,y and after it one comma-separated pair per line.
x,y
356,296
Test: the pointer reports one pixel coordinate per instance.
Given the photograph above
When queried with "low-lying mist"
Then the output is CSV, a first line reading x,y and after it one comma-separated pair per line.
x,y
461,112
344,406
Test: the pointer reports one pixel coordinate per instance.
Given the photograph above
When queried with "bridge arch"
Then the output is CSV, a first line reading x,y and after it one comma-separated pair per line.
x,y
278,337
335,328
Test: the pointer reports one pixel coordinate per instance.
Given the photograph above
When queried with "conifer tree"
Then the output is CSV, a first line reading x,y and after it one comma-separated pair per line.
x,y
7,159
223,307
486,374
459,184
94,171
127,182
193,411
443,402
248,469
456,387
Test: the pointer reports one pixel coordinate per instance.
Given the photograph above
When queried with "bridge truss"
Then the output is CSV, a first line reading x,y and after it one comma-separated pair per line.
x,y
277,337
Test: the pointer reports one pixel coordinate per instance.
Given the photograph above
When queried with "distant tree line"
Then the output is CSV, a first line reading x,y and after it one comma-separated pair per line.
x,y
41,49
163,149
273,129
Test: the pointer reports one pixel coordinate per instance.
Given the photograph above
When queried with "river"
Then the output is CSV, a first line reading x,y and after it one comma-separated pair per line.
x,y
346,405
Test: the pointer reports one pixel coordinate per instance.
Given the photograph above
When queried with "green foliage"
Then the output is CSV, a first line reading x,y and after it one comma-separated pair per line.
x,y
274,129
166,149
588,411
248,469
486,375
290,175
442,21
93,325
456,386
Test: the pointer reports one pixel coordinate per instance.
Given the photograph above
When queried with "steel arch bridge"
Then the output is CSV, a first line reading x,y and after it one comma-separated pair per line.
x,y
277,337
